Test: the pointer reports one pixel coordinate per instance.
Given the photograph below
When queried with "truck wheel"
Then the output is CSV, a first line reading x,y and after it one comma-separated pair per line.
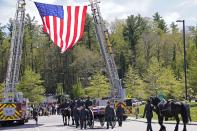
x,y
21,122
3,123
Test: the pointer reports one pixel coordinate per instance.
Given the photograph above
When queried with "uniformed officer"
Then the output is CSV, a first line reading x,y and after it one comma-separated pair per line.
x,y
79,103
148,111
76,114
109,115
72,105
66,104
35,115
83,117
119,113
88,102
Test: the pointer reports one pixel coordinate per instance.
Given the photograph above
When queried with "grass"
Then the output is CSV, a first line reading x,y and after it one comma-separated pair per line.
x,y
193,113
193,106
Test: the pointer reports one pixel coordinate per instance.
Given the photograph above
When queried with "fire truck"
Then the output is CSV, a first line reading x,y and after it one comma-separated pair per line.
x,y
14,108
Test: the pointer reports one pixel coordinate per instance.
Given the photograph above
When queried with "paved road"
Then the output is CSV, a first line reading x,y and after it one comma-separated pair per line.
x,y
54,123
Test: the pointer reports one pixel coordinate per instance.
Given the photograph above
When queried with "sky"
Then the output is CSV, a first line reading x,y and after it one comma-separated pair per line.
x,y
170,10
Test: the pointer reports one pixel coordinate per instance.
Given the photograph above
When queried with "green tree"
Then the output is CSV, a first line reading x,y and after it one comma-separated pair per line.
x,y
99,86
174,28
193,80
31,86
133,84
135,25
160,22
59,90
169,86
152,76
77,90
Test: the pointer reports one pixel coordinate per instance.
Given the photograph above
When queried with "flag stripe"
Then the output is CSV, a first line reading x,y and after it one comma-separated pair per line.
x,y
58,32
68,28
47,21
51,28
61,32
75,27
55,30
79,24
71,29
83,21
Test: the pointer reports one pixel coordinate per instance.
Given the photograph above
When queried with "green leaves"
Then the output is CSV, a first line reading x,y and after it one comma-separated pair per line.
x,y
32,86
77,90
99,86
135,25
1,90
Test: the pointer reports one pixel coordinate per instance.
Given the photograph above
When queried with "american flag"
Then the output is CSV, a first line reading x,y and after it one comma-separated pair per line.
x,y
64,24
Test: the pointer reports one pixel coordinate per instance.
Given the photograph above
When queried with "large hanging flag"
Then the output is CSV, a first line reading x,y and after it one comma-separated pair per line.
x,y
64,24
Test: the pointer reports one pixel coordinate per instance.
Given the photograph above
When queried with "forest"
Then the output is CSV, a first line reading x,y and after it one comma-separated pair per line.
x,y
148,53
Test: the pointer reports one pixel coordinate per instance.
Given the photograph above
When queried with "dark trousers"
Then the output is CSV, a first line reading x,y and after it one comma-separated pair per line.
x,y
120,119
77,123
109,123
149,127
83,124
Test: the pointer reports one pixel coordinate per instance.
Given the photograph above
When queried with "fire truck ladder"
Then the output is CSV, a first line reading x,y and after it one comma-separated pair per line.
x,y
12,76
106,51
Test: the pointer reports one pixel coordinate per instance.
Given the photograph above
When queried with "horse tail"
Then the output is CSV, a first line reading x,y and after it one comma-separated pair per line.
x,y
184,113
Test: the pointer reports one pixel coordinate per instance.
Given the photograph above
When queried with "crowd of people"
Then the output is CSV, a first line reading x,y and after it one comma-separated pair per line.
x,y
80,112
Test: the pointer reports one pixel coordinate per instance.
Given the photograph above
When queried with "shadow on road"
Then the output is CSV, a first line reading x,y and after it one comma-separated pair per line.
x,y
73,126
20,126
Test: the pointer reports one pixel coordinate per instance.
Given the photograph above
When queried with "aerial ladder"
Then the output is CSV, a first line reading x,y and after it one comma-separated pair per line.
x,y
117,92
13,106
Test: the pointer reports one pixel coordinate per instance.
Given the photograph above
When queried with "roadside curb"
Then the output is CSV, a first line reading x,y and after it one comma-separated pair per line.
x,y
155,121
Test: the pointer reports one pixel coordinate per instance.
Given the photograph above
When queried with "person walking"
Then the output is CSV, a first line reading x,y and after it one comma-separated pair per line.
x,y
88,103
109,115
83,117
119,114
137,111
76,114
35,115
148,111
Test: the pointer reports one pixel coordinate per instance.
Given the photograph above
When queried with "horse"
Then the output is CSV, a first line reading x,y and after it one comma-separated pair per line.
x,y
169,109
66,113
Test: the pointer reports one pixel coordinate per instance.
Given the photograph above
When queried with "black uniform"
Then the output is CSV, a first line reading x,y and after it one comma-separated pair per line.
x,y
72,105
76,114
109,116
79,103
35,115
148,111
88,103
83,117
119,114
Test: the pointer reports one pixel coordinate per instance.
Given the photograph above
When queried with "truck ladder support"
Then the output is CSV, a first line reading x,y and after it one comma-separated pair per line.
x,y
12,76
106,51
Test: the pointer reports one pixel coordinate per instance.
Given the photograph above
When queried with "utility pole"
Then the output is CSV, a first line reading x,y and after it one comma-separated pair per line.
x,y
185,57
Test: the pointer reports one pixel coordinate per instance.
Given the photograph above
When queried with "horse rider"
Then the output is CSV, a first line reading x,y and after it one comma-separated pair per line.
x,y
76,114
79,103
109,115
88,103
148,111
83,117
119,113
35,115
